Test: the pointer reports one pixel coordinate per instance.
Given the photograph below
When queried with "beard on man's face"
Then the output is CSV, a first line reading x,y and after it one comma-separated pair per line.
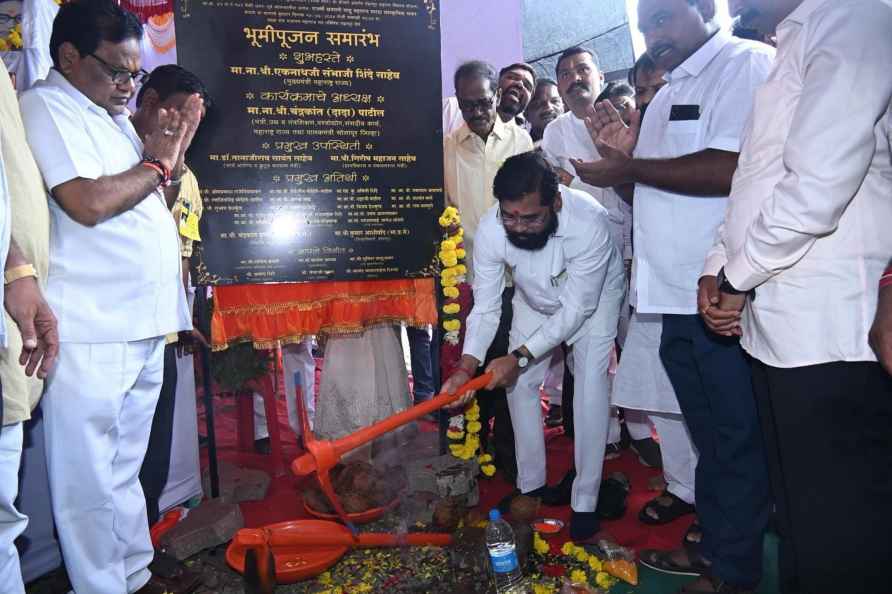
x,y
534,241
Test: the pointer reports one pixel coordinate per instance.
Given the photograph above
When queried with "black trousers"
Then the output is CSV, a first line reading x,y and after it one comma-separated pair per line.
x,y
712,378
828,436
494,403
156,465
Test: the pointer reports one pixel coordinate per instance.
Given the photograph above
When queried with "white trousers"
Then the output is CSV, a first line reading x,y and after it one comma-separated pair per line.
x,y
553,385
299,368
679,454
591,356
12,522
98,408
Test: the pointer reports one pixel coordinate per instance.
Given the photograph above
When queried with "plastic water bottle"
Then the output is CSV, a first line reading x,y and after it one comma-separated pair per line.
x,y
502,555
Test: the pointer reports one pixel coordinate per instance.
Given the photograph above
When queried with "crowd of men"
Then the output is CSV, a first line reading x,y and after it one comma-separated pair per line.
x,y
719,226
752,315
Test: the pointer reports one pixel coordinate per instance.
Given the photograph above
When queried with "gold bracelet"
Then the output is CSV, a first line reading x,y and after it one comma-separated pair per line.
x,y
14,274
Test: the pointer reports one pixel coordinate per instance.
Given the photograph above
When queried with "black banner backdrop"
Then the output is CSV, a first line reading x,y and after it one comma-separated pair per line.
x,y
321,158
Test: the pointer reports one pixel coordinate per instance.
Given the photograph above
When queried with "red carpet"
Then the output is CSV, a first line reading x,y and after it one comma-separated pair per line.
x,y
283,501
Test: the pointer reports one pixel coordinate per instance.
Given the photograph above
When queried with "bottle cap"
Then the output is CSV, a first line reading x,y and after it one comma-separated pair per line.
x,y
494,515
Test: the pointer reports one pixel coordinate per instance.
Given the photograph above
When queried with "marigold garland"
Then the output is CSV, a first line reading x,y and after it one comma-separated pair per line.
x,y
452,273
13,40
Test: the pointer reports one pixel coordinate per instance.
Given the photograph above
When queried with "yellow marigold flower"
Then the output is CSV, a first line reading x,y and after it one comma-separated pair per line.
x,y
447,246
594,563
474,427
539,544
604,580
568,548
581,555
448,255
448,281
451,325
460,253
543,589
455,448
4,47
455,434
578,576
461,269
450,292
488,469
472,415
451,308
451,211
449,261
484,459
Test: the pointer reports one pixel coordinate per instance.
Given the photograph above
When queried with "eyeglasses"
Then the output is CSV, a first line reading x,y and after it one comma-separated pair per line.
x,y
525,221
8,19
472,106
120,76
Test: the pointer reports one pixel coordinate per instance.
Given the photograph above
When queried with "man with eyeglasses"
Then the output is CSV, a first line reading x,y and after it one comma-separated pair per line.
x,y
580,81
10,16
472,156
569,285
115,284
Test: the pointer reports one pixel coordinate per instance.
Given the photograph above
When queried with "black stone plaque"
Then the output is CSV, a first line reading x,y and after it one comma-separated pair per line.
x,y
321,158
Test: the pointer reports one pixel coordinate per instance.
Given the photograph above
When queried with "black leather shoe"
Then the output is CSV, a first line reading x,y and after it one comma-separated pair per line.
x,y
583,525
561,493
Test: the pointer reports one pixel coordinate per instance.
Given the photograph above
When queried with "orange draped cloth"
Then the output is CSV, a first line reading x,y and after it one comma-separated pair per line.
x,y
266,314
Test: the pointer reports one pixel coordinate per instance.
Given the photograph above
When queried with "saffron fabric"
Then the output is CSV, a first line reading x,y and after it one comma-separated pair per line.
x,y
269,313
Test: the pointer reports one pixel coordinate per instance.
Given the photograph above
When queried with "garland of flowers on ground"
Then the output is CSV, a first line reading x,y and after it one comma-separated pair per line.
x,y
464,429
572,563
13,41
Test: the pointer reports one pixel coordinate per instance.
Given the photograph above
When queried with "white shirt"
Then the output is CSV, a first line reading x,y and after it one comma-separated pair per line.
x,y
673,232
120,280
557,288
5,219
565,138
470,166
809,221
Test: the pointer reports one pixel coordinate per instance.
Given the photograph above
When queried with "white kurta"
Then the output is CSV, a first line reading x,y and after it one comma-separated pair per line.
x,y
641,381
568,292
567,138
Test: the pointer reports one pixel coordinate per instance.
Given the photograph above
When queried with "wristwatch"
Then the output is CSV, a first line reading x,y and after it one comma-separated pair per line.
x,y
522,360
725,285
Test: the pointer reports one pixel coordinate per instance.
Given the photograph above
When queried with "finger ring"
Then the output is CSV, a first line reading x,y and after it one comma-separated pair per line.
x,y
168,132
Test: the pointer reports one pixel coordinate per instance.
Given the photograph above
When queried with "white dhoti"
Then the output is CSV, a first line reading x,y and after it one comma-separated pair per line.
x,y
642,384
12,522
589,362
299,369
98,408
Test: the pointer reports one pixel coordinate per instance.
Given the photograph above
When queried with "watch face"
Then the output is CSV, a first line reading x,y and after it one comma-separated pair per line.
x,y
522,362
